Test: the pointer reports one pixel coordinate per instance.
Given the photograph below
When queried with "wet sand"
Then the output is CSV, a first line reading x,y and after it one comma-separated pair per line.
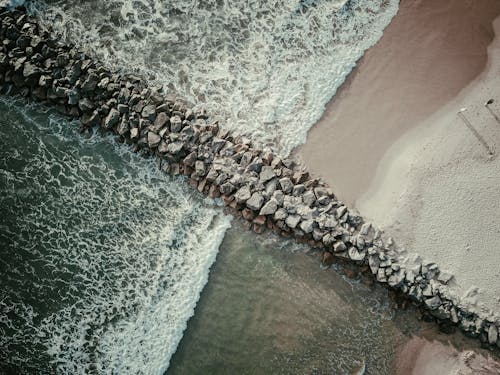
x,y
430,354
430,51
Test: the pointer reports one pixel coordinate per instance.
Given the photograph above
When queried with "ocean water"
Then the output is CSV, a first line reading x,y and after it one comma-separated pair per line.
x,y
263,67
102,257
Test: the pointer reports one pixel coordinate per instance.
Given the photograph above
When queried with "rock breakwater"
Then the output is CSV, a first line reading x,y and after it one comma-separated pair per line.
x,y
264,189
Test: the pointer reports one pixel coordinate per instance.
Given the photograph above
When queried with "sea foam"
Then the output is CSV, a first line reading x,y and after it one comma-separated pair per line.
x,y
266,68
103,258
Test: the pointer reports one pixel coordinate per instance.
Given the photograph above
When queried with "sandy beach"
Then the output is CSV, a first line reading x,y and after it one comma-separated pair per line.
x,y
393,145
430,354
427,55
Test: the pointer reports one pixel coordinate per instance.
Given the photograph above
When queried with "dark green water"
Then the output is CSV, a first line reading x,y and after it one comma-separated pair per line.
x,y
102,258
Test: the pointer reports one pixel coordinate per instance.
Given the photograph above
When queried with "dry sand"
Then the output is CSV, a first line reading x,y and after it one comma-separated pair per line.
x,y
392,145
430,51
437,190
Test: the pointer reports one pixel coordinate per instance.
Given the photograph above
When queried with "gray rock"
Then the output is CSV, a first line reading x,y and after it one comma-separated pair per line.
x,y
328,239
123,127
280,214
492,334
307,226
255,202
153,140
86,105
341,211
134,133
163,147
324,200
374,263
292,221
427,291
175,147
255,165
90,83
246,158
381,276
267,173
112,119
218,144
454,315
31,72
212,175
365,228
199,168
355,254
227,188
321,192
396,279
441,313
415,293
270,207
161,120
190,159
279,196
410,276
339,247
221,178
122,108
309,198
298,190
73,97
243,194
433,303
286,185
149,112
175,124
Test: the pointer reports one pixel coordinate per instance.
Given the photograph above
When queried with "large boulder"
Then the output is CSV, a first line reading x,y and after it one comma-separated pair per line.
x,y
153,140
267,173
243,194
292,221
255,202
286,185
112,119
269,208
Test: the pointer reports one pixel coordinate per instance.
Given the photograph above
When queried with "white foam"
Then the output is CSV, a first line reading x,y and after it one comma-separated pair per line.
x,y
127,249
267,68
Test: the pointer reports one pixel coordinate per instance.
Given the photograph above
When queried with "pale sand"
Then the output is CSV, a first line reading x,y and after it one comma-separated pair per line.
x,y
430,51
437,191
431,356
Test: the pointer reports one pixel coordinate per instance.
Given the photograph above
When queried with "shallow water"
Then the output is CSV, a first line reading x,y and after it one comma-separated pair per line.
x,y
268,308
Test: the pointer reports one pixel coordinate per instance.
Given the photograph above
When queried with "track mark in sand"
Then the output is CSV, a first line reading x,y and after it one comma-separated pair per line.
x,y
478,136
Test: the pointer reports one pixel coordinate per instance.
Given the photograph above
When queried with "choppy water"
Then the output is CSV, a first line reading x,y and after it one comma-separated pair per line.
x,y
267,67
102,258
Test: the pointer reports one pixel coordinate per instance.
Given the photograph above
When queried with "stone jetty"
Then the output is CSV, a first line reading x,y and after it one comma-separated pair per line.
x,y
265,190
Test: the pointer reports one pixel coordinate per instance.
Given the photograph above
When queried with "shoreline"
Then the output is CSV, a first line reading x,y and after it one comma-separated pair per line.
x,y
440,175
414,179
253,183
432,50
